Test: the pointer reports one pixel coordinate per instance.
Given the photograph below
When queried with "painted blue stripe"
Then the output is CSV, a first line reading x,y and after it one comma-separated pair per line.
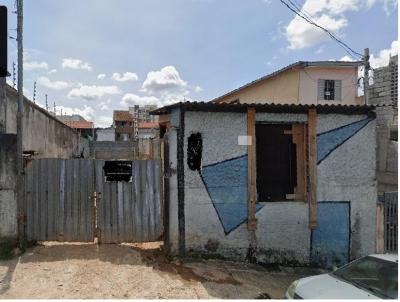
x,y
226,183
328,141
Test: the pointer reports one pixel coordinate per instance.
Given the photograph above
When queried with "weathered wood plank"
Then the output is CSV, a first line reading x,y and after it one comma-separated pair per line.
x,y
312,167
151,199
120,212
51,183
61,205
158,217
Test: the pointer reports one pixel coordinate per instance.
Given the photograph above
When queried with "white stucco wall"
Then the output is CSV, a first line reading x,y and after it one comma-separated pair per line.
x,y
347,174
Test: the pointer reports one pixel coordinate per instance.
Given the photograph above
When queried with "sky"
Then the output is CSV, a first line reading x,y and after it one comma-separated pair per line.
x,y
94,56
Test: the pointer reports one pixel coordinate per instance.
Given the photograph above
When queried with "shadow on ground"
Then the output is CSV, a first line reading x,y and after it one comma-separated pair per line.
x,y
58,270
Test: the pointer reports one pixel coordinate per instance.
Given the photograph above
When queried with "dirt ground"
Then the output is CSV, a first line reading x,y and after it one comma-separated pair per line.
x,y
55,270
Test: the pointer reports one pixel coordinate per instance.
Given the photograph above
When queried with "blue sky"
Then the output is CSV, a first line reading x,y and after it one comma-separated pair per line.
x,y
93,56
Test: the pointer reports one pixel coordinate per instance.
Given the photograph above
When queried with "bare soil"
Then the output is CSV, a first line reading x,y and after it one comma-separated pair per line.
x,y
70,271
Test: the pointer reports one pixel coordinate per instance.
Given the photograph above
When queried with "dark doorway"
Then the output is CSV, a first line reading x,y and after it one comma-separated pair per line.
x,y
276,162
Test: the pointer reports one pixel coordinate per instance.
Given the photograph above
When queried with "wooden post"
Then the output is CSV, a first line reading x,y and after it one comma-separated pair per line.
x,y
380,228
251,169
312,167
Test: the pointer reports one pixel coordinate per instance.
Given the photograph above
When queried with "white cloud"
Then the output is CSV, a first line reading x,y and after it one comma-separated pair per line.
x,y
52,71
127,76
75,64
165,79
329,14
130,99
198,89
347,58
56,85
104,105
93,92
35,65
101,76
382,59
87,112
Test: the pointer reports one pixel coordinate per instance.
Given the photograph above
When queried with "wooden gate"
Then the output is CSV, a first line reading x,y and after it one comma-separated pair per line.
x,y
72,200
130,211
58,200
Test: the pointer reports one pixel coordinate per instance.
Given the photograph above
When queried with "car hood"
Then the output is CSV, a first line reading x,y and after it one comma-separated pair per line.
x,y
327,287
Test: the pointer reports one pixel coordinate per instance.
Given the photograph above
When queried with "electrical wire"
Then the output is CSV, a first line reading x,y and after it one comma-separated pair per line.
x,y
295,9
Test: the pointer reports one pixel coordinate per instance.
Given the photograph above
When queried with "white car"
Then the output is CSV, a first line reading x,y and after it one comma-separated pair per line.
x,y
370,277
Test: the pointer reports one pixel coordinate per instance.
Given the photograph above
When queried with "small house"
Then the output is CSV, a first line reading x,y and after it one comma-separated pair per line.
x,y
273,183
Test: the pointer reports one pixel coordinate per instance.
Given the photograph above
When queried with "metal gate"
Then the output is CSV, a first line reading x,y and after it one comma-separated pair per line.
x,y
71,200
390,221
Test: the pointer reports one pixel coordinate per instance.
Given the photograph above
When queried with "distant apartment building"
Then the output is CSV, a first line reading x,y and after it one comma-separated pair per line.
x,y
124,125
321,82
141,114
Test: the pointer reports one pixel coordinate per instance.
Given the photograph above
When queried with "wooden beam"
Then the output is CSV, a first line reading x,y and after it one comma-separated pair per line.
x,y
298,131
312,167
251,169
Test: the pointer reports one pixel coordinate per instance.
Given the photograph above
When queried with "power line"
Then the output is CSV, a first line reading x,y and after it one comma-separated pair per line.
x,y
308,19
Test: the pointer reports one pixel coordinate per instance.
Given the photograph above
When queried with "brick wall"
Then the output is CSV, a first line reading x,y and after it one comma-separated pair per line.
x,y
383,94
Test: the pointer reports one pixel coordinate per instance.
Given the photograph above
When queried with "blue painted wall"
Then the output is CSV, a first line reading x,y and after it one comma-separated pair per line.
x,y
330,241
226,184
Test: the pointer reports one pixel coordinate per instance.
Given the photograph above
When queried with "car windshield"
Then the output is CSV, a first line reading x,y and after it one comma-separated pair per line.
x,y
375,275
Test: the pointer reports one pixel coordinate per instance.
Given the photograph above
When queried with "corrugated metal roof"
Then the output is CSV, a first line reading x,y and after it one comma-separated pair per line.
x,y
265,107
299,64
122,115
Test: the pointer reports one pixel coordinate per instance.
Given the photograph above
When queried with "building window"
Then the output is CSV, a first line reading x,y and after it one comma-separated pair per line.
x,y
280,162
329,90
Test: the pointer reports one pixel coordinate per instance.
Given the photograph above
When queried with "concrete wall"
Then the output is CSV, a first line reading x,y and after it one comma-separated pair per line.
x,y
42,132
346,175
107,134
8,172
308,89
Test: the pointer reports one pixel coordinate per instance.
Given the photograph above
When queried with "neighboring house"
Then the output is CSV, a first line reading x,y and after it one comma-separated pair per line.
x,y
124,125
323,82
290,184
147,130
85,128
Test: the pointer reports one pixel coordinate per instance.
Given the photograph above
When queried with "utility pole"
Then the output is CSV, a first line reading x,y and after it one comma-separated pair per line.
x,y
47,105
54,108
20,113
14,76
34,92
366,75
